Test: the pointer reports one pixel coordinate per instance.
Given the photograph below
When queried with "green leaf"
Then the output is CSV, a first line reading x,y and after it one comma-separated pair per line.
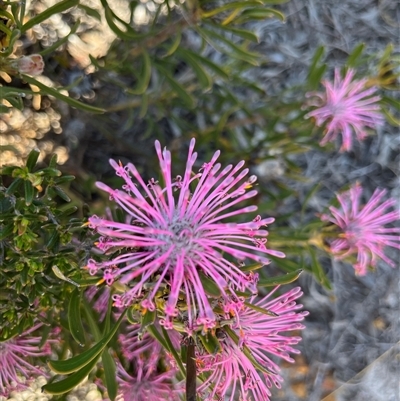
x,y
45,90
144,105
275,1
129,34
15,102
51,172
251,267
165,341
236,51
14,186
209,64
92,320
90,11
15,35
63,40
317,269
177,87
6,14
6,30
259,14
29,192
315,78
260,310
243,33
4,109
132,317
110,374
174,45
8,170
229,6
32,159
391,102
285,263
69,211
144,77
75,318
54,241
64,179
79,361
147,319
314,73
173,351
53,161
204,79
107,322
61,276
210,343
310,194
285,279
157,335
63,386
183,350
88,282
57,8
353,59
243,294
391,118
221,125
60,192
6,231
209,285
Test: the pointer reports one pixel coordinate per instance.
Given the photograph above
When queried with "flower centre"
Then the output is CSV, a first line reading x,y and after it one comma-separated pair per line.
x,y
183,235
337,109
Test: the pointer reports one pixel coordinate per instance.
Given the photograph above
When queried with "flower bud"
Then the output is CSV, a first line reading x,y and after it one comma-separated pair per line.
x,y
31,65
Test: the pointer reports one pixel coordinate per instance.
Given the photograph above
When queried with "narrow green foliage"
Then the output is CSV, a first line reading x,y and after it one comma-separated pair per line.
x,y
74,317
55,9
274,281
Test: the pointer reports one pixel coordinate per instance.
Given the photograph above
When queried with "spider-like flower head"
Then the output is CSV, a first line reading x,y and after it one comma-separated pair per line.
x,y
146,384
137,344
179,233
260,335
346,107
17,357
362,228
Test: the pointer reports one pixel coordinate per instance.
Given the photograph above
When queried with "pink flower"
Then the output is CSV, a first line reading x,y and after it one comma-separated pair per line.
x,y
146,384
16,359
362,227
346,107
180,232
137,344
231,372
100,305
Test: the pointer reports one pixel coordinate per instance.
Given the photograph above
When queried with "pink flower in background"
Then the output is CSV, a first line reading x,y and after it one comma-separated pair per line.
x,y
179,232
17,360
100,304
136,345
146,384
231,371
346,107
363,231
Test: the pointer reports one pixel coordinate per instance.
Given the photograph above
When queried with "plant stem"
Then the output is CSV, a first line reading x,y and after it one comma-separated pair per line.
x,y
190,372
